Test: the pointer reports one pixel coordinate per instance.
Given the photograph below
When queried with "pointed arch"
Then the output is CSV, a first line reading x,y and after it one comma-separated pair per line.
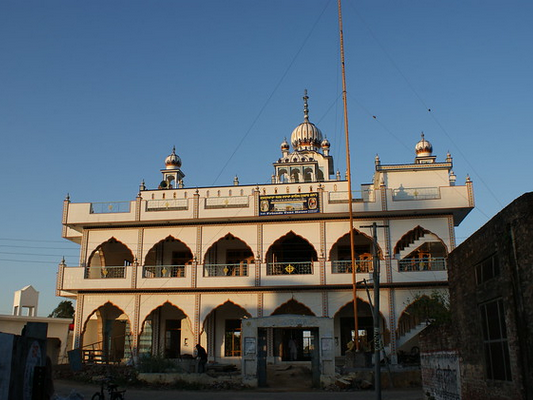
x,y
424,309
164,330
421,250
229,255
413,235
223,325
293,307
340,254
167,258
345,325
106,334
309,175
290,254
109,260
295,175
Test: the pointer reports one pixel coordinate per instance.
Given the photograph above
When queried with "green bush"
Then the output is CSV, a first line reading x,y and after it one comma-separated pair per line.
x,y
154,363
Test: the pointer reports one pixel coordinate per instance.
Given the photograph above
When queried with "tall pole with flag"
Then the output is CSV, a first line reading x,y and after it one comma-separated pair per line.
x,y
349,178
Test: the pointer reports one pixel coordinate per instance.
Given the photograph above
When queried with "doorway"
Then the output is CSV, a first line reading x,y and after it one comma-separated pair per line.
x,y
294,344
266,359
172,338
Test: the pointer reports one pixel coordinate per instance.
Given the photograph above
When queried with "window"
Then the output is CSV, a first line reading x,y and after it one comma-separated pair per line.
x,y
495,345
487,269
232,338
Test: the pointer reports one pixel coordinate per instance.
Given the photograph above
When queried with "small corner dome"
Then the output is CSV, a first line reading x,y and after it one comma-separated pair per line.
x,y
325,144
285,145
423,148
173,160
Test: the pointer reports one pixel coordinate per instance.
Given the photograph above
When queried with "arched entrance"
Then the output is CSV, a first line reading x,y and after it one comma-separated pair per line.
x,y
345,326
224,326
256,346
166,333
106,336
292,343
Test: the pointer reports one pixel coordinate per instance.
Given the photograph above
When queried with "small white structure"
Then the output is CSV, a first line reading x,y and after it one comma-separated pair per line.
x,y
58,336
27,297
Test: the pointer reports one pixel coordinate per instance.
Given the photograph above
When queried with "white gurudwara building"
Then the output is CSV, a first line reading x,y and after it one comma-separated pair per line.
x,y
177,266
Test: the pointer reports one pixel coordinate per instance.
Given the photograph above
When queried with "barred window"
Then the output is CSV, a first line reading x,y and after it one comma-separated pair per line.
x,y
495,344
487,269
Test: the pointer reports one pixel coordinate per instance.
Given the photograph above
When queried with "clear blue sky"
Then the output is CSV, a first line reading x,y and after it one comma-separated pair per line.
x,y
94,94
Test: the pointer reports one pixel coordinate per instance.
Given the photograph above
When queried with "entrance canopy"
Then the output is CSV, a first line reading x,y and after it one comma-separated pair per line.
x,y
256,351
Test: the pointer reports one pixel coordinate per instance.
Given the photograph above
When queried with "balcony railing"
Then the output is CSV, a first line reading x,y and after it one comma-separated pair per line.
x,y
290,268
240,269
415,193
345,266
164,271
357,196
417,264
110,207
105,272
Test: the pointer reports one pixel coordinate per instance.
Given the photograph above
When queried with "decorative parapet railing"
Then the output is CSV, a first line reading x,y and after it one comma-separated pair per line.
x,y
110,207
358,195
227,202
105,272
166,204
345,266
427,193
290,268
240,269
417,264
163,271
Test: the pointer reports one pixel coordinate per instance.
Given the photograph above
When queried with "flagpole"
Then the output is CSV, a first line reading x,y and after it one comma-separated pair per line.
x,y
349,177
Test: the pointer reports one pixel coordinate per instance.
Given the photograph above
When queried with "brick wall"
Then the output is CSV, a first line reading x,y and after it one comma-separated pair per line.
x,y
439,363
506,237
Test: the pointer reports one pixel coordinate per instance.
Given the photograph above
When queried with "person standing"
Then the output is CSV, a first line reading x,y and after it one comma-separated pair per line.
x,y
201,356
293,349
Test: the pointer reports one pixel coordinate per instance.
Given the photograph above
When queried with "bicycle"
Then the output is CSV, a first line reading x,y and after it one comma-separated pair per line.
x,y
112,390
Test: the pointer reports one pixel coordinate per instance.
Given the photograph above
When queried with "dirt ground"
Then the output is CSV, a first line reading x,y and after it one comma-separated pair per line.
x,y
290,377
64,388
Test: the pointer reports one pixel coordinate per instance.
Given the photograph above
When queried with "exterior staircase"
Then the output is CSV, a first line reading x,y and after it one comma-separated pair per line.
x,y
411,334
412,247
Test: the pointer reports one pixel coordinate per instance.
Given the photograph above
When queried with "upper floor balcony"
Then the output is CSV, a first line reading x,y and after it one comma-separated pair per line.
x,y
239,275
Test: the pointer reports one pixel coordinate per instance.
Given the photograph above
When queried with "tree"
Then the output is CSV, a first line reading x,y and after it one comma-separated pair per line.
x,y
63,310
434,308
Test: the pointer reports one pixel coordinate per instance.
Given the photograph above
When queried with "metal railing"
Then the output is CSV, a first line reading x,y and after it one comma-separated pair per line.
x,y
110,207
415,193
345,266
163,271
105,272
425,264
240,269
290,268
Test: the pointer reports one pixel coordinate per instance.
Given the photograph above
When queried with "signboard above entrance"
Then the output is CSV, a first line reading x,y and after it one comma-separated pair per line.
x,y
296,203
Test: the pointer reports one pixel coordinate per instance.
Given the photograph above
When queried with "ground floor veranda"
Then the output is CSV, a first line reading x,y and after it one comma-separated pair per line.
x,y
121,326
